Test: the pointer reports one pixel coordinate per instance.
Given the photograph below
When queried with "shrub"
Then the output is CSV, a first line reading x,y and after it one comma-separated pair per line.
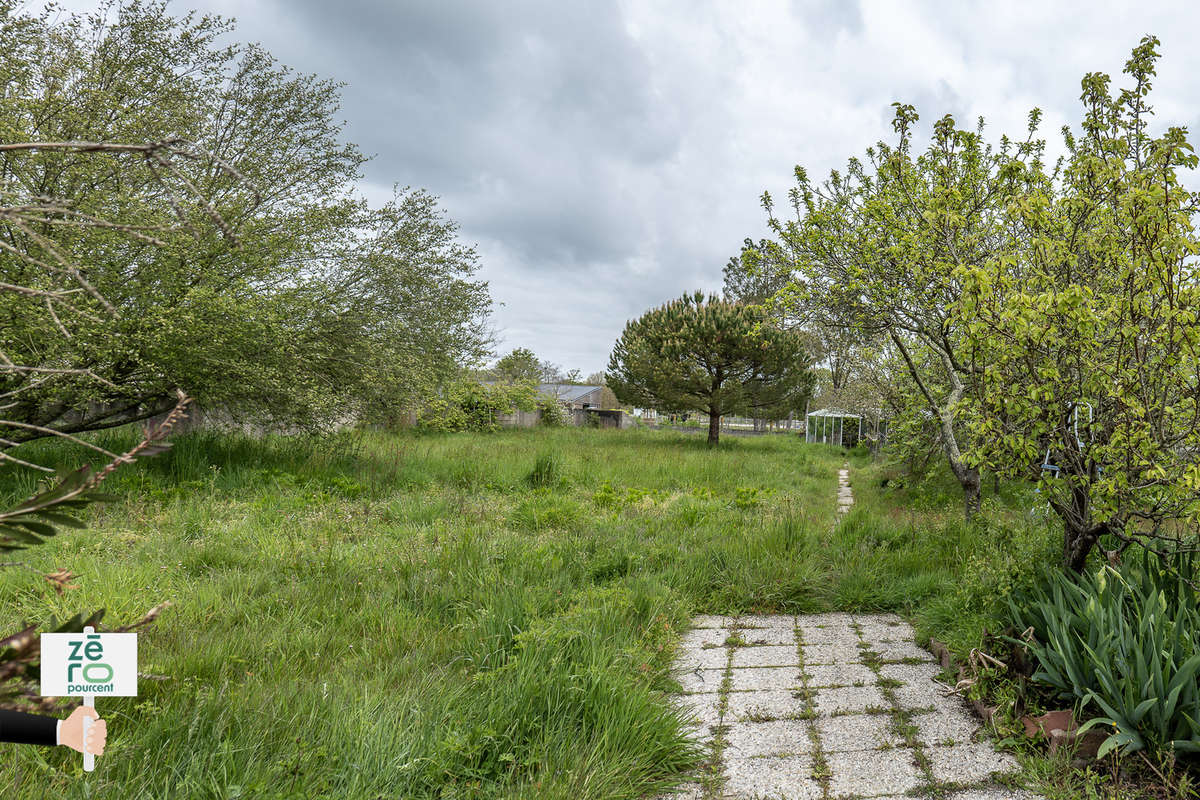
x,y
1126,641
472,406
552,414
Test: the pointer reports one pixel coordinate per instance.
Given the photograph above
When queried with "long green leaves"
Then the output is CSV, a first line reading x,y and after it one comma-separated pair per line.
x,y
1125,641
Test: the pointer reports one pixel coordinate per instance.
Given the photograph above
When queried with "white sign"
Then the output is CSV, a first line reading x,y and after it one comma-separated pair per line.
x,y
89,664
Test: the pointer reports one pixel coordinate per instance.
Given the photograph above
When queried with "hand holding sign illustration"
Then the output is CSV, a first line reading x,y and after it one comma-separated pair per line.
x,y
72,733
85,665
22,728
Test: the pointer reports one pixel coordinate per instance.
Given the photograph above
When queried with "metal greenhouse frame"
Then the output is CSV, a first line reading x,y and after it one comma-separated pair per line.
x,y
828,426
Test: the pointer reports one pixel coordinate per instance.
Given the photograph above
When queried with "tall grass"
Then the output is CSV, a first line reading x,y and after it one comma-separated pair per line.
x,y
470,615
420,616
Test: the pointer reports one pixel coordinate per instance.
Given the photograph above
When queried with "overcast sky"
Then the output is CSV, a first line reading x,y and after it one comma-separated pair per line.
x,y
607,157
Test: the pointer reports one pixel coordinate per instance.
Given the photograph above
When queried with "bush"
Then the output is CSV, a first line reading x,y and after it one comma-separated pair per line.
x,y
1125,641
552,414
472,406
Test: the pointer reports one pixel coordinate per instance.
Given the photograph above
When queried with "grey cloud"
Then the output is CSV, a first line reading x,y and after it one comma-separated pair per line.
x,y
607,157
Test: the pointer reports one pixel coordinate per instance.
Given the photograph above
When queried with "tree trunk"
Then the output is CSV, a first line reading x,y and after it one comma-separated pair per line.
x,y
1077,546
1079,534
971,483
714,428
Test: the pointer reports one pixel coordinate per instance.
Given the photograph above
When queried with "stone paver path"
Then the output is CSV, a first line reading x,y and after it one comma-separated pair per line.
x,y
825,707
845,494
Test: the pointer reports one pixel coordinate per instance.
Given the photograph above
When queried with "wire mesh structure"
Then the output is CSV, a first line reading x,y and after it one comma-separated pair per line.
x,y
833,426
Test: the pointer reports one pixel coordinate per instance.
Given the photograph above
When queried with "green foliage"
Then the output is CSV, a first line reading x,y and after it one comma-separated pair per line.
x,y
519,366
710,355
29,522
329,308
878,249
468,405
551,413
1085,331
545,510
1125,642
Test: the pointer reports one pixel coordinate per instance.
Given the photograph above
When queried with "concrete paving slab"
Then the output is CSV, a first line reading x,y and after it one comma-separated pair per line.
x,y
759,678
872,773
768,621
699,680
711,621
708,658
998,793
822,675
763,706
968,763
918,695
769,736
856,732
849,700
787,777
945,728
768,656
776,738
844,653
701,711
828,634
701,638
949,705
877,632
898,651
826,619
769,636
918,674
688,791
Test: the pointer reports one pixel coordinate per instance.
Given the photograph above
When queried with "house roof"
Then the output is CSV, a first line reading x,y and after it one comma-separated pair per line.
x,y
567,392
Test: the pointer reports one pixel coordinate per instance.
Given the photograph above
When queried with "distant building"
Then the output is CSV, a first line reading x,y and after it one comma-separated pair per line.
x,y
573,397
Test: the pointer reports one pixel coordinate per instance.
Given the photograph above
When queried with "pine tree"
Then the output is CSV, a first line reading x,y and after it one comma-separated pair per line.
x,y
713,355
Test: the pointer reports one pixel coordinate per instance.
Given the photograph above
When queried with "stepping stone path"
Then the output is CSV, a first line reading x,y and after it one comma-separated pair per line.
x,y
827,707
845,495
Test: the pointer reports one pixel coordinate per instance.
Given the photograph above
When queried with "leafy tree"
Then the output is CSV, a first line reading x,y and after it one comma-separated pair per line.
x,y
597,379
757,273
1087,334
763,275
327,305
519,365
709,355
57,285
879,249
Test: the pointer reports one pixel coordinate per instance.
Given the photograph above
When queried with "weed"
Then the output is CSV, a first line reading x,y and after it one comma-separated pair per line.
x,y
547,471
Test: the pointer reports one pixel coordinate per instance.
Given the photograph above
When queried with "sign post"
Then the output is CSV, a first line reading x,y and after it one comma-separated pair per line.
x,y
89,759
89,664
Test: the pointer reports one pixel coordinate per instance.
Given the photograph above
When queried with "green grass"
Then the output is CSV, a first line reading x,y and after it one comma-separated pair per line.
x,y
420,616
476,615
